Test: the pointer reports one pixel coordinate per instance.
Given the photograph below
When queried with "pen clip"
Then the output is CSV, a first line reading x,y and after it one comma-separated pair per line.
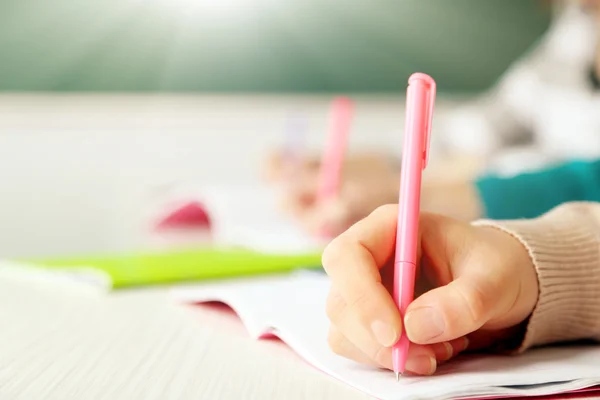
x,y
432,93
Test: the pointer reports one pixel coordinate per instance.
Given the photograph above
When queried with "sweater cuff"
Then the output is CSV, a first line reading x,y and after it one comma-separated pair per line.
x,y
564,247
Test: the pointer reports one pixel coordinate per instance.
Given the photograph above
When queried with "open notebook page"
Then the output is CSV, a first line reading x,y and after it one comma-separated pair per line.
x,y
292,306
250,216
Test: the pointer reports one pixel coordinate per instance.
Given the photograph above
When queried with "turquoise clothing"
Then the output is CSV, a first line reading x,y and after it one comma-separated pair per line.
x,y
531,194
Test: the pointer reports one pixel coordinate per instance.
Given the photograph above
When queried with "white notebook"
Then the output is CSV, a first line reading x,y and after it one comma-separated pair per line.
x,y
292,307
248,216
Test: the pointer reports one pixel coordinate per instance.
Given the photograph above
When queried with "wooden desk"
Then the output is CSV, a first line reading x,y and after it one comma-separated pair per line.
x,y
136,345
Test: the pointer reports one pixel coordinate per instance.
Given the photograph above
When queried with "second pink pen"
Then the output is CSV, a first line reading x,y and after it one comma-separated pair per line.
x,y
330,178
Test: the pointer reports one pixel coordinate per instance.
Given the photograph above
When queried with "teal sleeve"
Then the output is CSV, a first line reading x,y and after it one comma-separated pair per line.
x,y
531,194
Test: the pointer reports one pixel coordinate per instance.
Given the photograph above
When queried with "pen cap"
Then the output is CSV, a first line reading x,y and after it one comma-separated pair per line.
x,y
420,78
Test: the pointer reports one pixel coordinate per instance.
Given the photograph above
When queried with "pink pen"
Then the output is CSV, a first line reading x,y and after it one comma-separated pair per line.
x,y
335,149
420,100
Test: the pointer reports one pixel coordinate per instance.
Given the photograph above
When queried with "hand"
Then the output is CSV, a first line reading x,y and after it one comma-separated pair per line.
x,y
278,169
361,192
475,287
368,181
457,199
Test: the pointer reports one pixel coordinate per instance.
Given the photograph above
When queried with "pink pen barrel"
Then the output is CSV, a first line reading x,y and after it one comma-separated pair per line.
x,y
335,149
407,282
412,167
420,95
333,159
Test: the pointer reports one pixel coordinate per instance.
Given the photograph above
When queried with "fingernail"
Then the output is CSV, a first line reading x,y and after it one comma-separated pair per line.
x,y
384,333
424,324
421,365
466,343
444,351
449,351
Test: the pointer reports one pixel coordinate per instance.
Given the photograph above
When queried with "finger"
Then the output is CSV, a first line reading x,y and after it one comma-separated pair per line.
x,y
336,215
457,309
279,165
341,346
295,167
272,166
444,351
421,360
366,338
300,194
331,217
281,158
353,261
459,345
358,343
312,163
373,238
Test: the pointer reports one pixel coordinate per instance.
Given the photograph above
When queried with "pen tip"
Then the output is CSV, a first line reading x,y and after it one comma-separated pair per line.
x,y
397,376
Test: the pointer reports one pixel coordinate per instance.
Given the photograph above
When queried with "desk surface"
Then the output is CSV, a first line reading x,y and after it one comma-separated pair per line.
x,y
60,345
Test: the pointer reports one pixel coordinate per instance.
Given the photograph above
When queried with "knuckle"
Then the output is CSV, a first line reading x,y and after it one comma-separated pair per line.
x,y
364,308
334,341
331,255
334,306
476,299
386,209
360,302
379,355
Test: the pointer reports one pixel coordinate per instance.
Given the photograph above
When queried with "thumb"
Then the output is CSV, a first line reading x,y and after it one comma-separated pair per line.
x,y
455,310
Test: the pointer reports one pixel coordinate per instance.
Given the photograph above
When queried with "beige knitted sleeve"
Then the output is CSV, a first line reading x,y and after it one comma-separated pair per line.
x,y
564,245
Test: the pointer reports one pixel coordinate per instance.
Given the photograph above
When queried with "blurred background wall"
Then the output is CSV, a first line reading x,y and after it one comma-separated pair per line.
x,y
79,162
261,45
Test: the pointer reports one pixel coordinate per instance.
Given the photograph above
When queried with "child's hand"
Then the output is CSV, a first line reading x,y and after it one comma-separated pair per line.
x,y
368,181
277,168
361,192
475,282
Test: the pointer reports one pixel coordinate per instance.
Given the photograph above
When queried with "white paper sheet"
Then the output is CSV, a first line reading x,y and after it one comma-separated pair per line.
x,y
250,216
292,307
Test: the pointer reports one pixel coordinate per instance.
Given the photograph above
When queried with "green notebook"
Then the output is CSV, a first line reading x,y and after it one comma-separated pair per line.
x,y
113,272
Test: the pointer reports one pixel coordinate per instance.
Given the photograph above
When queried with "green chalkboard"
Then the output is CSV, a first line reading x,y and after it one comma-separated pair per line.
x,y
261,45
